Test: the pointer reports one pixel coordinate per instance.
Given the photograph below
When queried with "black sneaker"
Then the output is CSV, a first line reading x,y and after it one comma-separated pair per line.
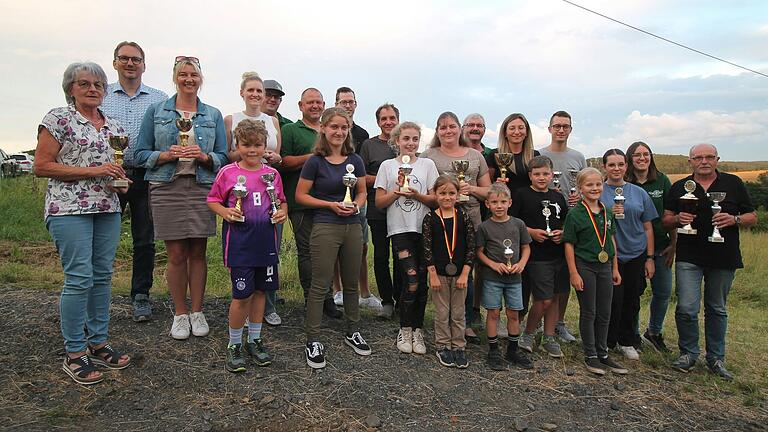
x,y
235,360
445,356
496,361
315,355
330,310
656,341
520,359
613,366
684,363
718,368
460,359
258,353
358,344
594,365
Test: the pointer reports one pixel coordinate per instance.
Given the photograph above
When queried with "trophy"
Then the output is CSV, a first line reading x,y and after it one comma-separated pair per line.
x,y
508,252
556,179
405,170
274,201
547,213
619,199
503,160
118,144
240,192
716,198
572,173
461,166
688,204
349,181
184,125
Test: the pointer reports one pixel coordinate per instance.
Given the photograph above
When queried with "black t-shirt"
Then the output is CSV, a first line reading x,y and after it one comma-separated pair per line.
x,y
375,151
518,177
435,248
696,249
359,135
526,205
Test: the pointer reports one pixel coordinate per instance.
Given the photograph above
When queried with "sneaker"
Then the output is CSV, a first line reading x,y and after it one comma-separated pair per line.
x,y
330,310
258,353
613,366
718,368
519,359
445,356
315,355
371,302
526,342
387,311
460,359
142,309
594,365
273,319
496,361
551,346
562,332
405,340
235,360
656,341
338,298
199,324
628,351
358,344
419,347
180,328
684,363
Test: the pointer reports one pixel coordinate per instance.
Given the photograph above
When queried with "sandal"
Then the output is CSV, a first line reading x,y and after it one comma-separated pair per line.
x,y
107,357
80,374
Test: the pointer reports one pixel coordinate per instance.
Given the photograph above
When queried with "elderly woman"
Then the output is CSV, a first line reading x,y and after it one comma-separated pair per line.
x,y
180,177
82,213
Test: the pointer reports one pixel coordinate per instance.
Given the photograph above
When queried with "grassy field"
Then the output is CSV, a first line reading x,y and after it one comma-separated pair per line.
x,y
28,260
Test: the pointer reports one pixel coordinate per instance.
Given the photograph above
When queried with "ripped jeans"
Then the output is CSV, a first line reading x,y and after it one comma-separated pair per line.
x,y
413,293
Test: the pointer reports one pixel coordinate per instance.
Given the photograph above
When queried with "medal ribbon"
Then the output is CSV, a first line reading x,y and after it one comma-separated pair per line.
x,y
594,224
452,246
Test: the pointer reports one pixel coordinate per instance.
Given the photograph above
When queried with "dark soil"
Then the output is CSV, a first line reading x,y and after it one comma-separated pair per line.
x,y
183,385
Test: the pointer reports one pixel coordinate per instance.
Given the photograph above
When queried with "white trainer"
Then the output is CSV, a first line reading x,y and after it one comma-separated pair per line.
x,y
273,319
419,347
371,301
338,298
180,327
628,351
404,340
199,324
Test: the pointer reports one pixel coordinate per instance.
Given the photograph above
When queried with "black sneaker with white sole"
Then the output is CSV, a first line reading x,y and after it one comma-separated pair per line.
x,y
358,344
315,355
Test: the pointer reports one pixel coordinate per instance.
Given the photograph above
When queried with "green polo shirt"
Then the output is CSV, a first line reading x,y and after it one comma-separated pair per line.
x,y
298,140
486,151
658,190
578,230
282,121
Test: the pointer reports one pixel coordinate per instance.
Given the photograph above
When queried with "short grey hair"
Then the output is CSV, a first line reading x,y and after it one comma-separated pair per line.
x,y
70,73
474,115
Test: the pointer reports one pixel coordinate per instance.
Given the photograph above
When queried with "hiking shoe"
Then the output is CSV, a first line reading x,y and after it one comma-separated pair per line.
x,y
628,351
684,363
199,324
405,340
142,309
330,310
519,359
387,311
315,355
358,344
594,365
460,359
496,361
613,366
235,360
656,341
562,332
273,319
338,298
258,353
445,356
551,346
180,327
526,342
419,347
718,368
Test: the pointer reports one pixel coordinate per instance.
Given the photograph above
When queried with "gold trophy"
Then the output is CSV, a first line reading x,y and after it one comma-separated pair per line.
x,y
274,201
556,179
405,170
716,198
689,203
349,181
184,125
118,144
240,192
503,160
547,213
619,199
508,252
461,166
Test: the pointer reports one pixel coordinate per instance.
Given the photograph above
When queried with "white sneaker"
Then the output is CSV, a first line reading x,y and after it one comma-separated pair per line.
x,y
371,301
418,342
628,351
338,298
180,327
199,324
404,338
273,319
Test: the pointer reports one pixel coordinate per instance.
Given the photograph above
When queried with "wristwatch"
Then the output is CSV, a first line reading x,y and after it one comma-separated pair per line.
x,y
737,219
649,257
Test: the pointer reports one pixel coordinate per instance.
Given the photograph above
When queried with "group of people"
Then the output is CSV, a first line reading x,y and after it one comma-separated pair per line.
x,y
468,226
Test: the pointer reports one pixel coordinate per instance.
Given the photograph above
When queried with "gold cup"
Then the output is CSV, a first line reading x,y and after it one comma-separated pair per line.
x,y
240,192
119,144
503,160
184,125
460,167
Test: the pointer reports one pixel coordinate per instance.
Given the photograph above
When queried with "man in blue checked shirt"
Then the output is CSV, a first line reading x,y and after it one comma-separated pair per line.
x,y
126,100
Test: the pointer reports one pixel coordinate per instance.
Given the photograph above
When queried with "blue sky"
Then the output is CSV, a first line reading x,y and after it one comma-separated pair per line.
x,y
494,57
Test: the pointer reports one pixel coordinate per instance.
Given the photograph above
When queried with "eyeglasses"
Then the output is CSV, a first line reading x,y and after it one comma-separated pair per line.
x,y
347,103
269,95
85,84
708,158
194,60
126,59
474,125
641,155
564,127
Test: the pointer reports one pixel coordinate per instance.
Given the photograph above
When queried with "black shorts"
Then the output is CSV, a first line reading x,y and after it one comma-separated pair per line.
x,y
246,280
547,278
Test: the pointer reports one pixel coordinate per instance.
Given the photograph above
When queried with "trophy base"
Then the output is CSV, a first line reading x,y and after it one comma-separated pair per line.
x,y
119,183
688,231
348,204
550,234
716,239
186,159
405,189
238,219
463,198
619,217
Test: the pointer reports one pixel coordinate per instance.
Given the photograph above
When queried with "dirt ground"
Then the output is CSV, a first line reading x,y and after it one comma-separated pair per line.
x,y
183,385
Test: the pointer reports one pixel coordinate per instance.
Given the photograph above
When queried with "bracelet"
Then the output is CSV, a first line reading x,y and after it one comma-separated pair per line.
x,y
649,257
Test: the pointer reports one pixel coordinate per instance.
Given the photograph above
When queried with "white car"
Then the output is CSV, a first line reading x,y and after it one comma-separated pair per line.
x,y
25,161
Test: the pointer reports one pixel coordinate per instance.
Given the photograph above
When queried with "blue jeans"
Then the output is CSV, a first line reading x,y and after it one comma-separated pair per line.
x,y
661,288
717,283
271,297
86,246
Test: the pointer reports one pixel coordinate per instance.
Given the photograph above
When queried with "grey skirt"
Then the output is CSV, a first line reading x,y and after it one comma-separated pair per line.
x,y
180,211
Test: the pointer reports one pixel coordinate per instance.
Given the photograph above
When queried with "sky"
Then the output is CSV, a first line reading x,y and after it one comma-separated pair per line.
x,y
426,57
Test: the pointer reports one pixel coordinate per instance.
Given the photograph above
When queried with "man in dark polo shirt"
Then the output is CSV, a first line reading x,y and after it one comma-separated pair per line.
x,y
297,146
345,99
473,130
698,258
273,96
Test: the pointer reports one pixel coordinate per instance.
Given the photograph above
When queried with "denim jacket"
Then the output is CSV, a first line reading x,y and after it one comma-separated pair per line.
x,y
159,132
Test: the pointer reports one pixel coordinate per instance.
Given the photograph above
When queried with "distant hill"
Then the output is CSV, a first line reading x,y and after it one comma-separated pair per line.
x,y
678,164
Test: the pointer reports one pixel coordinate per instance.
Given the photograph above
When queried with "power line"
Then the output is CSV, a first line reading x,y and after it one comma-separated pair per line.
x,y
665,39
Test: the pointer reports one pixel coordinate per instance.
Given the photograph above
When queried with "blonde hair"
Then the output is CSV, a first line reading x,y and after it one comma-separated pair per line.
x,y
180,64
251,131
581,177
527,142
250,76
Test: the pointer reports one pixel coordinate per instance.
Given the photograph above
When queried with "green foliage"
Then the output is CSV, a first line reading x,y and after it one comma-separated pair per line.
x,y
21,209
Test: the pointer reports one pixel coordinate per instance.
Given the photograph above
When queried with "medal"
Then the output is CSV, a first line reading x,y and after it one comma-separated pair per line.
x,y
450,268
602,256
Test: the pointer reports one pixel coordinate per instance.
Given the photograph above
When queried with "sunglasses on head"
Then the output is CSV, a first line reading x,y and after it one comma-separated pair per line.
x,y
194,60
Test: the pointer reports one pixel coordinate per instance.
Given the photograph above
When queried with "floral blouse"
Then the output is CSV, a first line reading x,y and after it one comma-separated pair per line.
x,y
81,146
